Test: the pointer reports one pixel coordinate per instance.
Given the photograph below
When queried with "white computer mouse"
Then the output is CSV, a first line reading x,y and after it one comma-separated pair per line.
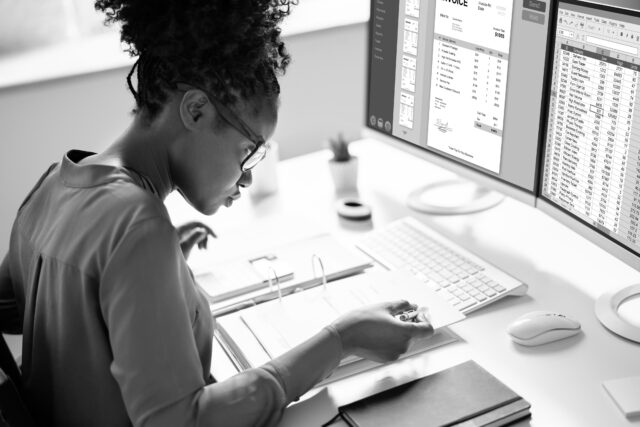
x,y
541,327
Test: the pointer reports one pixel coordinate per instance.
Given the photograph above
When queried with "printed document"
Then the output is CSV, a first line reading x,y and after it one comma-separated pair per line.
x,y
469,79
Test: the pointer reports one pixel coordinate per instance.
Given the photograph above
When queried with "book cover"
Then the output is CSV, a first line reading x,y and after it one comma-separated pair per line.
x,y
463,395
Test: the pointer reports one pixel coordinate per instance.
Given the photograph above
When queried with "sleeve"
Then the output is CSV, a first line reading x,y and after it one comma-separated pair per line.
x,y
155,357
257,397
10,319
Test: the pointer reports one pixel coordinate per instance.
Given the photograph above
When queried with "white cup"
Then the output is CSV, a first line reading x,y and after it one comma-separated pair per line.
x,y
265,173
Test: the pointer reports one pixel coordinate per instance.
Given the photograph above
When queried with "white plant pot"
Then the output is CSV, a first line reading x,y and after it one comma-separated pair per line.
x,y
265,174
345,175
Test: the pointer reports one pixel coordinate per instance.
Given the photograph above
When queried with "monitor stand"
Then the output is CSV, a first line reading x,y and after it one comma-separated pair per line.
x,y
454,196
612,314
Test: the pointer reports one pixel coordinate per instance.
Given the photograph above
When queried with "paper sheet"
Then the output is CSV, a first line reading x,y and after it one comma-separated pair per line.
x,y
281,325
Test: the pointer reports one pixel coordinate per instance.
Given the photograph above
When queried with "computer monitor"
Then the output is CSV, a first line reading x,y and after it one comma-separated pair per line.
x,y
590,177
460,82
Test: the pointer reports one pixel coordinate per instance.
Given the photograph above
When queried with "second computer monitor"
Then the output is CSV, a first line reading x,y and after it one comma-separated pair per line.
x,y
461,82
591,168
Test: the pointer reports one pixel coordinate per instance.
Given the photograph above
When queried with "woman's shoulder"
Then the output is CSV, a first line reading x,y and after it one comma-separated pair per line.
x,y
127,199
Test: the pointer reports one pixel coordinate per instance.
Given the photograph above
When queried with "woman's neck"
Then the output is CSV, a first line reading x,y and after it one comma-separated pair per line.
x,y
143,148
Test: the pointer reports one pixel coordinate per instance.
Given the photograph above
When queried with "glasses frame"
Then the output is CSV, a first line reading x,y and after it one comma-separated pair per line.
x,y
259,150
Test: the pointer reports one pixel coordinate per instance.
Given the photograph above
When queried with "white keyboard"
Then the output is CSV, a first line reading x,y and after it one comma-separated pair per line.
x,y
462,278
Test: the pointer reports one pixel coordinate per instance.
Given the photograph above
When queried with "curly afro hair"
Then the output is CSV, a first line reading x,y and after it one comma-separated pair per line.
x,y
232,48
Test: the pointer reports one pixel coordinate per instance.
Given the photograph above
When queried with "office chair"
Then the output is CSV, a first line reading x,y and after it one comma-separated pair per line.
x,y
13,411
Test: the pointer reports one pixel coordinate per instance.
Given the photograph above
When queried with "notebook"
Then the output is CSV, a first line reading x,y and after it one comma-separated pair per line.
x,y
464,395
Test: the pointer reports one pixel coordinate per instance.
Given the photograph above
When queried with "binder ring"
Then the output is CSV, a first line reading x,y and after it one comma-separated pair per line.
x,y
316,259
272,271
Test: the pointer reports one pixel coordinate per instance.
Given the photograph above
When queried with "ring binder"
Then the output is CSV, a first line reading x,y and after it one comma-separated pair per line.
x,y
333,260
315,258
272,271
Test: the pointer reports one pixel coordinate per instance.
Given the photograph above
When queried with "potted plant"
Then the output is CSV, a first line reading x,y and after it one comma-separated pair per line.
x,y
343,166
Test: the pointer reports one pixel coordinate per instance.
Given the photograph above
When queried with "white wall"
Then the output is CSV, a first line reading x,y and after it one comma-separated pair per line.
x,y
322,94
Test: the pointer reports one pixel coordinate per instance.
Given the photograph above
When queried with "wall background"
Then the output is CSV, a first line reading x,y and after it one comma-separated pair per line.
x,y
323,93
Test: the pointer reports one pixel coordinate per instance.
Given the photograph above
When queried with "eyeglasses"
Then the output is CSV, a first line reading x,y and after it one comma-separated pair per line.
x,y
259,150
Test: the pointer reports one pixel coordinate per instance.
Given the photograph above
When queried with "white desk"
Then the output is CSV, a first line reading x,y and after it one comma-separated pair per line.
x,y
565,273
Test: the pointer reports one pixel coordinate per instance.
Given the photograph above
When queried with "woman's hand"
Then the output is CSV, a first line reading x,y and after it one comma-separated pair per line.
x,y
193,233
374,333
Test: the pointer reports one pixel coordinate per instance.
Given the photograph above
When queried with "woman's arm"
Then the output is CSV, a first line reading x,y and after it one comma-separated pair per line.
x,y
258,397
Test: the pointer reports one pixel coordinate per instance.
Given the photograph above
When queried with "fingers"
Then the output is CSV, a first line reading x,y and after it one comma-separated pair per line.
x,y
188,226
191,233
192,237
209,230
197,235
397,307
419,323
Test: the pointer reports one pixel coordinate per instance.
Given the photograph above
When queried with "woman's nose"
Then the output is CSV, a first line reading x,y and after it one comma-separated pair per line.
x,y
245,179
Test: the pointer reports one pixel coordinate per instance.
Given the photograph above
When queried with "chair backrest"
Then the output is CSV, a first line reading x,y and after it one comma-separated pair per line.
x,y
8,363
13,411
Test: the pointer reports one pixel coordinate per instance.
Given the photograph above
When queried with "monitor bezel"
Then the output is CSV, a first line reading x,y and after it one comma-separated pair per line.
x,y
476,175
582,227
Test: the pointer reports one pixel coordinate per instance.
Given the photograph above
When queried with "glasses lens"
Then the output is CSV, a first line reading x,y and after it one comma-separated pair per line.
x,y
254,158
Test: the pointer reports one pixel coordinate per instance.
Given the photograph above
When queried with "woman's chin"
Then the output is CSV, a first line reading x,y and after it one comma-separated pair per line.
x,y
208,208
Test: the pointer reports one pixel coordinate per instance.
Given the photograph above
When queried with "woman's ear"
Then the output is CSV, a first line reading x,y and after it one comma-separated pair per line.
x,y
194,107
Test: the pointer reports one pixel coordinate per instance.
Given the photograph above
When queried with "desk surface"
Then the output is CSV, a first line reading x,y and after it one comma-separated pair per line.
x,y
565,273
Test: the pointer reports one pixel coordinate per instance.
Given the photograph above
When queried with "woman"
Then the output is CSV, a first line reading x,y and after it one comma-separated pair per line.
x,y
116,332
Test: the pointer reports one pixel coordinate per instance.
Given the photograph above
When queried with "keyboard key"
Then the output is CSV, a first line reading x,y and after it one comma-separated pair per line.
x,y
499,288
489,292
466,304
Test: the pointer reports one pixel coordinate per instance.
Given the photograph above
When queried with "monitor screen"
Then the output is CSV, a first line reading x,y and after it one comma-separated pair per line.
x,y
462,79
591,158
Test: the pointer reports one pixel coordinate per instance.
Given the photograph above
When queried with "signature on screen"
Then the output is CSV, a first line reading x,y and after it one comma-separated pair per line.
x,y
442,126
